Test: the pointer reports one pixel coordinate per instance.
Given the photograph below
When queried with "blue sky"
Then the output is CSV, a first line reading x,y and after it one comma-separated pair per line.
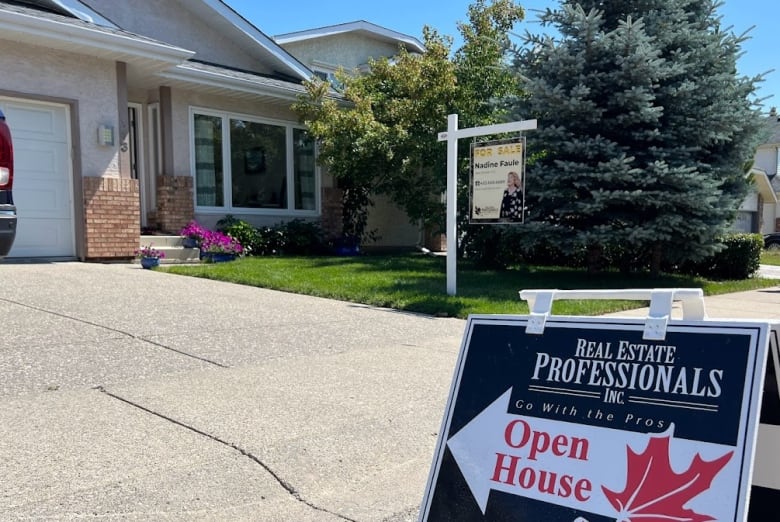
x,y
409,17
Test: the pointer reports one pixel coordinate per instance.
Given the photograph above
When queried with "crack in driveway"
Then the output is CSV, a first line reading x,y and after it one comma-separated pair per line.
x,y
283,483
116,330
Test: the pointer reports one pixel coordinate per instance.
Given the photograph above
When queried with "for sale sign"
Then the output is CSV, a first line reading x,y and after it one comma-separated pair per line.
x,y
590,422
498,181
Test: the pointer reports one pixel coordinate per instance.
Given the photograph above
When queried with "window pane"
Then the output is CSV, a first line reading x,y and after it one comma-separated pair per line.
x,y
258,164
208,161
305,186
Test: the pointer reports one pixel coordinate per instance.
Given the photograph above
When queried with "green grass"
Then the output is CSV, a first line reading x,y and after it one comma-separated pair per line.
x,y
417,283
770,257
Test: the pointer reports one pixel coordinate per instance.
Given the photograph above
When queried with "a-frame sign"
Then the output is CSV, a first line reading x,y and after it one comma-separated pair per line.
x,y
602,420
765,494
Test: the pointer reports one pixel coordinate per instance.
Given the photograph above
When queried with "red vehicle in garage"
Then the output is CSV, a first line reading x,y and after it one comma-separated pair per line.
x,y
7,208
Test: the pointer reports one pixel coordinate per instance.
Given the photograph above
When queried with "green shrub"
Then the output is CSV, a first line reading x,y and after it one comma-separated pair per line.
x,y
489,247
303,238
739,259
241,231
270,242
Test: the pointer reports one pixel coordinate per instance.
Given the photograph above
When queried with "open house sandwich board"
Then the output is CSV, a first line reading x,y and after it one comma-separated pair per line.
x,y
583,419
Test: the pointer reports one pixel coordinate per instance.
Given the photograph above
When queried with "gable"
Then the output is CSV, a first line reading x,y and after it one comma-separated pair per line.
x,y
33,23
348,50
216,33
350,45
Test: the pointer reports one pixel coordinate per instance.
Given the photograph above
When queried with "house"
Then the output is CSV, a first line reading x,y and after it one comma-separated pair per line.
x,y
350,47
151,113
760,212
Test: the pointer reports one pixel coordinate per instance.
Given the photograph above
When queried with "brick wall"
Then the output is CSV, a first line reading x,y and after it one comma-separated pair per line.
x,y
435,241
112,217
175,206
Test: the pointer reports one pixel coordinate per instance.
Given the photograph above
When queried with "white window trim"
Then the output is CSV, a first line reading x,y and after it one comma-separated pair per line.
x,y
777,160
226,116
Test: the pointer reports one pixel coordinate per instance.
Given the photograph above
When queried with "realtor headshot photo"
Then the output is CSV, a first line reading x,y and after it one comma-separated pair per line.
x,y
512,200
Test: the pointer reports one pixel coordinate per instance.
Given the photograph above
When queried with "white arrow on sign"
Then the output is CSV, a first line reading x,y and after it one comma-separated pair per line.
x,y
562,463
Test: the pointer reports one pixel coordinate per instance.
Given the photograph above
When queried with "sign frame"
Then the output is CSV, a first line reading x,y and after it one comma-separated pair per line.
x,y
754,333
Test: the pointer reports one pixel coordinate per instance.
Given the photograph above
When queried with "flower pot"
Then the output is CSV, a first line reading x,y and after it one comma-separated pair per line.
x,y
189,242
347,250
347,246
222,258
149,262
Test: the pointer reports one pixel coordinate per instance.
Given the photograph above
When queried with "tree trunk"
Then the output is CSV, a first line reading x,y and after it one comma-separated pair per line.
x,y
655,260
595,257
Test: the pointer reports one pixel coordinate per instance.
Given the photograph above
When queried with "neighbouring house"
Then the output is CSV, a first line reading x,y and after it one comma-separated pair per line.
x,y
760,212
350,47
147,114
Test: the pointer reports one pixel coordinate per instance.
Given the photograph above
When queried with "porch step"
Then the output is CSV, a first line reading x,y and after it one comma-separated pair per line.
x,y
175,253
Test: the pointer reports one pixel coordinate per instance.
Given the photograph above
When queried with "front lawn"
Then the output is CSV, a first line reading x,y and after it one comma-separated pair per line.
x,y
770,257
417,283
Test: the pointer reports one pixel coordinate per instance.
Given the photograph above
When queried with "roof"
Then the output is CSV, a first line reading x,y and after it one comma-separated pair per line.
x,y
377,32
49,24
763,185
51,28
222,80
773,128
72,26
260,43
72,8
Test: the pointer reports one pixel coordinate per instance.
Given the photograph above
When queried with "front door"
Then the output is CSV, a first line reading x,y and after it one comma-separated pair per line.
x,y
137,170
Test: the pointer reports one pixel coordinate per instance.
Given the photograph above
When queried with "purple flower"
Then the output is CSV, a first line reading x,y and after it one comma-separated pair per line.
x,y
150,252
194,231
218,243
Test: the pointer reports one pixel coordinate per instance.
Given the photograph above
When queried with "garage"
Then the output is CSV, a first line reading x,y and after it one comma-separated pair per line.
x,y
43,188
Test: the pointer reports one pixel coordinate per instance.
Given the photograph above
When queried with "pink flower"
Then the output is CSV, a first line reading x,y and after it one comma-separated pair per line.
x,y
149,252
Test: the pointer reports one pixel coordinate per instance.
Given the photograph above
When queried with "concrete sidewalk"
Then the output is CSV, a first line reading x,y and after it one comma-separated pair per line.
x,y
136,395
754,304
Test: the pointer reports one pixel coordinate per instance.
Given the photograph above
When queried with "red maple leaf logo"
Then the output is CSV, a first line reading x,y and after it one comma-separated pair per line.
x,y
655,493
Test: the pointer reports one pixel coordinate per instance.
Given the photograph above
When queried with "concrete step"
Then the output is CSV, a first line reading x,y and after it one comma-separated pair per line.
x,y
161,241
175,253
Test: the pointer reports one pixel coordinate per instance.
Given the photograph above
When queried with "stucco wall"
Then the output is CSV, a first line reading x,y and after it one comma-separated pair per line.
x,y
171,22
392,225
184,100
769,218
88,83
347,50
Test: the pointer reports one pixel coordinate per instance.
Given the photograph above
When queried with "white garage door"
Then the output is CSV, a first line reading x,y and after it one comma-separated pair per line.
x,y
43,188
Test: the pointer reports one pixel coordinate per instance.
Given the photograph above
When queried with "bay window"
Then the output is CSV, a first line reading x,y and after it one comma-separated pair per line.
x,y
250,165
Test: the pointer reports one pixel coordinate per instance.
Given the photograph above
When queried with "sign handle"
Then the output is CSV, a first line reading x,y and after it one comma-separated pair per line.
x,y
661,300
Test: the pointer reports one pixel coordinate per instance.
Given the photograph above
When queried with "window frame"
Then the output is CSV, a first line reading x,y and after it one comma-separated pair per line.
x,y
227,185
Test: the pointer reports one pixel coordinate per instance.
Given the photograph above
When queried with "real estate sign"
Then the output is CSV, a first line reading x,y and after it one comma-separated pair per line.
x,y
765,493
590,422
498,181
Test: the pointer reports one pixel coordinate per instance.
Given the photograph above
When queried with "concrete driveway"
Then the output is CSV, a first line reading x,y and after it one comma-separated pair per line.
x,y
128,394
133,395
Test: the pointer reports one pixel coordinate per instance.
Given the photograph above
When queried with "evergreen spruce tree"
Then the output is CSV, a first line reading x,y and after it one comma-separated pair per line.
x,y
645,129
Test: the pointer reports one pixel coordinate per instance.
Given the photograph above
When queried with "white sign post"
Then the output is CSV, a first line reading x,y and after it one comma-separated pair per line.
x,y
451,136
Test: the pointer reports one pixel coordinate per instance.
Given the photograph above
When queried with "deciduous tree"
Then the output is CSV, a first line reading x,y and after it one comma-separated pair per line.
x,y
383,140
